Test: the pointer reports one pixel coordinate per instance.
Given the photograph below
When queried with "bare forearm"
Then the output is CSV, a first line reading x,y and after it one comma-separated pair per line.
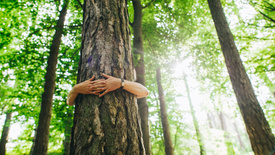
x,y
136,88
72,96
86,87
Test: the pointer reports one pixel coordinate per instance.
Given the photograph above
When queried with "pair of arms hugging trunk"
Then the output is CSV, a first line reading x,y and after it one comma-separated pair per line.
x,y
109,84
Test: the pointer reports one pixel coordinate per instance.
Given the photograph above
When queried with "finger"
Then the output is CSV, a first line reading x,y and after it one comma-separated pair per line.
x,y
90,88
100,89
99,85
95,87
106,76
94,93
101,81
92,78
104,93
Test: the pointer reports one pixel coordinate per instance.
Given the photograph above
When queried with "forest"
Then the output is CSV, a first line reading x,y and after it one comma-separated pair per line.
x,y
209,67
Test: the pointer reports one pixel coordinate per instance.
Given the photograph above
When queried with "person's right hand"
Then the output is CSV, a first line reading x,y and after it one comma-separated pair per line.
x,y
90,86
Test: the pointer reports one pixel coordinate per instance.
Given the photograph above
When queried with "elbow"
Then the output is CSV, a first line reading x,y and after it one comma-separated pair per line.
x,y
143,94
69,103
146,93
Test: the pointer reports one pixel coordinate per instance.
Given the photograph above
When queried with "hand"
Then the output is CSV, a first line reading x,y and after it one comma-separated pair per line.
x,y
90,86
112,84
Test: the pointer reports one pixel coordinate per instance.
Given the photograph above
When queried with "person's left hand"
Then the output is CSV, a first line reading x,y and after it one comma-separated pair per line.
x,y
112,84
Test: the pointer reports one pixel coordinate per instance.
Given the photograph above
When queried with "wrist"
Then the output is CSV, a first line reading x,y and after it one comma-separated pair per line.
x,y
75,88
122,83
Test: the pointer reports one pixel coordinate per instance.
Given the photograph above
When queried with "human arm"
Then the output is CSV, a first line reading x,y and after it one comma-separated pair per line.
x,y
135,88
86,87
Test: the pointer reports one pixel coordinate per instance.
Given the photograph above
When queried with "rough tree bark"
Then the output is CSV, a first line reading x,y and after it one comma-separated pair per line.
x,y
42,138
195,121
140,72
110,124
5,133
261,138
169,150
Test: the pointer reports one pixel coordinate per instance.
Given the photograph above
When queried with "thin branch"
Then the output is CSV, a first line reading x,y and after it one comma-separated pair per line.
x,y
270,6
150,45
267,17
47,28
148,4
131,24
71,26
271,26
249,37
80,4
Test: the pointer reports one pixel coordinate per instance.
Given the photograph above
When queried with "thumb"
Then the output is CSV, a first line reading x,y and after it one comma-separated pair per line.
x,y
105,92
106,76
91,79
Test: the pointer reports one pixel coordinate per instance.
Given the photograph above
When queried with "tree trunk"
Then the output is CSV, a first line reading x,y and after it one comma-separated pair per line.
x,y
228,143
209,121
68,127
110,124
5,133
239,136
196,125
169,150
260,135
33,141
140,72
41,141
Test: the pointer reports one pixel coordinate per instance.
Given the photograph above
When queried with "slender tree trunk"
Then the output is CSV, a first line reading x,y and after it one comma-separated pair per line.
x,y
33,141
209,120
41,141
169,150
261,138
140,72
68,127
5,133
195,121
239,136
228,143
110,124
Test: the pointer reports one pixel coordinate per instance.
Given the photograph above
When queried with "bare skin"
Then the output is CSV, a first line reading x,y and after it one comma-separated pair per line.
x,y
110,84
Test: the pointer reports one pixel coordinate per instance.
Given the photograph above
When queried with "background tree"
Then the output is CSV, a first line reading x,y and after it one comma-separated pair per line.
x,y
196,124
41,140
5,133
169,150
140,71
258,129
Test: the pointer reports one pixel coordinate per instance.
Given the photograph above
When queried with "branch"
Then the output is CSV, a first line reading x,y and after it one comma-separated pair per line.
x,y
47,28
267,17
249,37
131,24
270,7
80,3
150,45
148,4
271,26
